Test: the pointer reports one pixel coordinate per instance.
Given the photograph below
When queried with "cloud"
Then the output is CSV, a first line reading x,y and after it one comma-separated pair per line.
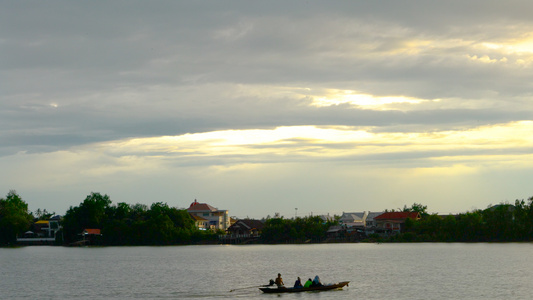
x,y
108,92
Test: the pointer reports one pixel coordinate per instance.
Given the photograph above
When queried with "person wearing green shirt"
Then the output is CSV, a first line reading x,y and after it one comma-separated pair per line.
x,y
308,283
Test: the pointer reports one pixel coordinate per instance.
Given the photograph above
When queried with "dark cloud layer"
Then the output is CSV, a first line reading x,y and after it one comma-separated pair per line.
x,y
76,73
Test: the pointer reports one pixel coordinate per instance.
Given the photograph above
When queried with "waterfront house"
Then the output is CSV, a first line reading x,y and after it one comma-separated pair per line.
x,y
327,218
216,219
47,228
246,227
336,232
41,228
91,232
91,236
395,221
353,219
369,222
359,219
42,232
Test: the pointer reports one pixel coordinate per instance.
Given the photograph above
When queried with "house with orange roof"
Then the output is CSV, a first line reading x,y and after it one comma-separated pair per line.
x,y
395,221
90,231
214,218
91,236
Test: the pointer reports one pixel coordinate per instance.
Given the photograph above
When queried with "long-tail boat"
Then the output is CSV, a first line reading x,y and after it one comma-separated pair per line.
x,y
328,287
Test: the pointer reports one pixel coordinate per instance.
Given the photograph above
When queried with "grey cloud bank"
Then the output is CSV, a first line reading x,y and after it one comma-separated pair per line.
x,y
75,75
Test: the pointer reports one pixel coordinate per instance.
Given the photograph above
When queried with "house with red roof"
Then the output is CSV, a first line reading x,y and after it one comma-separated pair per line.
x,y
90,231
395,221
208,216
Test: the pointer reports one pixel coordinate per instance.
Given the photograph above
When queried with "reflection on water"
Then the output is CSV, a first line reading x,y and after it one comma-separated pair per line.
x,y
376,271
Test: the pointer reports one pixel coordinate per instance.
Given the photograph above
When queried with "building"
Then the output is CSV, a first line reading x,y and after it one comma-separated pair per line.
x,y
91,236
46,228
246,227
327,218
213,218
43,232
353,219
395,221
370,218
199,222
359,219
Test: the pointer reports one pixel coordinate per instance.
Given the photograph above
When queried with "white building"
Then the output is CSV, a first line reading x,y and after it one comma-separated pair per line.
x,y
359,219
353,219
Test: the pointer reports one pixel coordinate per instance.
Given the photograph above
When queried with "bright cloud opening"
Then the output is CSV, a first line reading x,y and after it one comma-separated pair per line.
x,y
478,147
336,97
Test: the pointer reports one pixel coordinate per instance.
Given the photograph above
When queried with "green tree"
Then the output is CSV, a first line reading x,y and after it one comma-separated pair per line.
x,y
279,230
14,217
138,225
417,207
499,223
470,227
43,214
90,214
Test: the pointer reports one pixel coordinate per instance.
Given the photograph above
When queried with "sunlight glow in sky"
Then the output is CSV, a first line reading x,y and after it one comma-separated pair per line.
x,y
336,97
309,142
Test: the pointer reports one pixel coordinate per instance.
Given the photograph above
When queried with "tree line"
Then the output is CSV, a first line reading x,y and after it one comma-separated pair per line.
x,y
120,224
159,224
297,230
503,222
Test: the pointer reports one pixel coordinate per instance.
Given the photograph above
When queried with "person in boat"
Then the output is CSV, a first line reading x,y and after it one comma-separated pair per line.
x,y
316,281
298,284
308,283
279,281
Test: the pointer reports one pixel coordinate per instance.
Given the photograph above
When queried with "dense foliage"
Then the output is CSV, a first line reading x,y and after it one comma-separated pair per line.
x,y
159,224
280,230
14,218
124,224
499,223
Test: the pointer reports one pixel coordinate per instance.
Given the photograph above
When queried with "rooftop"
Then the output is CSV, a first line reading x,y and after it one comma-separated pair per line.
x,y
197,206
397,215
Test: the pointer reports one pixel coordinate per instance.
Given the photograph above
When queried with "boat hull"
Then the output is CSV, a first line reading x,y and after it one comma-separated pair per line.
x,y
335,286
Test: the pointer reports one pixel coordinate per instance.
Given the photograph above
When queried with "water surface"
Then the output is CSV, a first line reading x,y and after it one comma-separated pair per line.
x,y
376,271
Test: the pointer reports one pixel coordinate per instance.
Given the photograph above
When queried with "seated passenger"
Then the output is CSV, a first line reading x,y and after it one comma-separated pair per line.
x,y
308,283
279,281
316,281
298,284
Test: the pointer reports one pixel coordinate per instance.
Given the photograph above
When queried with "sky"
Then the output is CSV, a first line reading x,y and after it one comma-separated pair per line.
x,y
264,107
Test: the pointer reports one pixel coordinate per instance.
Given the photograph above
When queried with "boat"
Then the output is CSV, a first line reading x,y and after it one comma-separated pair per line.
x,y
329,287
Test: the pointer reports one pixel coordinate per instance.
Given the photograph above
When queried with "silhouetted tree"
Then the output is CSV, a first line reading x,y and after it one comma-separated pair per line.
x,y
14,217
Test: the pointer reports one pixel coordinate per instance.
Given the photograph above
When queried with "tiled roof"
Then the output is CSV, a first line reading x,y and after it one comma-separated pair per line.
x,y
249,224
92,231
398,215
352,217
372,215
197,218
202,206
197,206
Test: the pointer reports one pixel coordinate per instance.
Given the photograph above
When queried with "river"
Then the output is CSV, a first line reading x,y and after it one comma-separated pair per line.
x,y
375,271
